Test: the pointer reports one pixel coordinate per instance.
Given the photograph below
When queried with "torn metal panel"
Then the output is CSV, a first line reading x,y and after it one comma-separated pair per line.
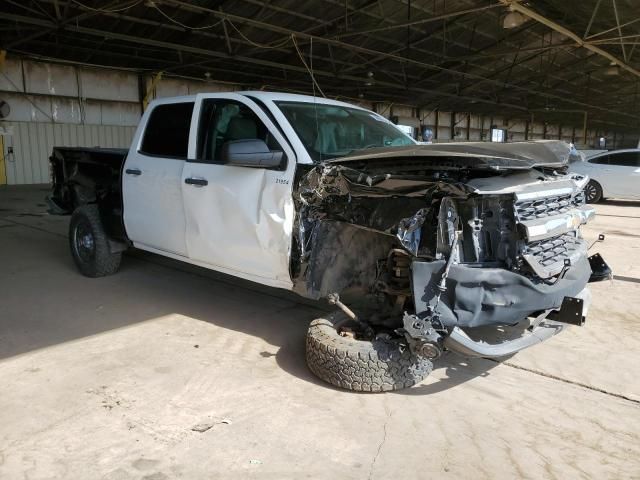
x,y
410,230
327,181
344,257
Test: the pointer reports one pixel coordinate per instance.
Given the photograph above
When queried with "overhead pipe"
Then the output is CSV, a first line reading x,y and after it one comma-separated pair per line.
x,y
516,6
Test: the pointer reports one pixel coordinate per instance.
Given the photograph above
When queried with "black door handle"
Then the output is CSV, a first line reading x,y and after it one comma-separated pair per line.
x,y
133,171
200,182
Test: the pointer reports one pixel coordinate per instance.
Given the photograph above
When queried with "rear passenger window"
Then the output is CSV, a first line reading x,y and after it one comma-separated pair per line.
x,y
603,160
167,131
625,159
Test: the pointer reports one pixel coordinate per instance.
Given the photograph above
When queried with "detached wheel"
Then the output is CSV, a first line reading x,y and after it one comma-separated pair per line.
x,y
593,192
365,366
90,245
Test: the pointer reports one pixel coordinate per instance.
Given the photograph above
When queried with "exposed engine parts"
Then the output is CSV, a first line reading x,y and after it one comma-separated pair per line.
x,y
423,247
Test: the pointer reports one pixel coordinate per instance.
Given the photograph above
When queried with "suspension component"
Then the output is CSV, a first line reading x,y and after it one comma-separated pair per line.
x,y
422,338
334,299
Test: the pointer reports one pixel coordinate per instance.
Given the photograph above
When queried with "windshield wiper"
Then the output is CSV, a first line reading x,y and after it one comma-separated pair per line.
x,y
366,148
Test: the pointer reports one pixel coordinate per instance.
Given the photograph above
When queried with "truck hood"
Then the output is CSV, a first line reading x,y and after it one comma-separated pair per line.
x,y
475,155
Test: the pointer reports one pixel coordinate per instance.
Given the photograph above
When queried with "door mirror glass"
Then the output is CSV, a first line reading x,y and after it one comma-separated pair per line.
x,y
250,153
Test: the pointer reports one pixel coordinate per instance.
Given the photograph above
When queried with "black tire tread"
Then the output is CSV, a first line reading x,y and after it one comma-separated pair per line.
x,y
105,262
363,366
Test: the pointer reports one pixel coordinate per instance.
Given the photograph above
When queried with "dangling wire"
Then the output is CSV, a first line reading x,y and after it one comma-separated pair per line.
x,y
315,102
310,70
102,10
259,45
173,20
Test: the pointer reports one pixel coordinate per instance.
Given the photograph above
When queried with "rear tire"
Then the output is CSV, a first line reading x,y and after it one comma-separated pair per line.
x,y
593,192
90,245
362,366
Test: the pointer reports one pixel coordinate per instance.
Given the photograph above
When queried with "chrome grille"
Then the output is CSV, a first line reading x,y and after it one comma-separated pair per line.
x,y
547,206
550,251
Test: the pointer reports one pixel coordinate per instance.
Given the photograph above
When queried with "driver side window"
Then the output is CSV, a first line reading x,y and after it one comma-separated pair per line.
x,y
222,121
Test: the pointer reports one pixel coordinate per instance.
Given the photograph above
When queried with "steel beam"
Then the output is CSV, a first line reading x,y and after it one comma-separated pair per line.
x,y
518,7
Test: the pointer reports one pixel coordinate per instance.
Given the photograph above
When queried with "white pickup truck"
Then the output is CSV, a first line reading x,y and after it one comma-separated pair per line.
x,y
473,248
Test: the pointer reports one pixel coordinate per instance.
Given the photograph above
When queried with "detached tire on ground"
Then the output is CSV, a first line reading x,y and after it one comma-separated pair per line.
x,y
363,366
90,245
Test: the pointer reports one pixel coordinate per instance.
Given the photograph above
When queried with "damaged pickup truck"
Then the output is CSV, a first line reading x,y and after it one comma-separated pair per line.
x,y
473,248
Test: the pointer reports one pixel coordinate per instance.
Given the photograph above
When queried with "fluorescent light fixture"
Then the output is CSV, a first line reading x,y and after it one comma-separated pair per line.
x,y
513,20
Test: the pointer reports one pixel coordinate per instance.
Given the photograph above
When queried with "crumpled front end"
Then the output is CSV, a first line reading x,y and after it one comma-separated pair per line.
x,y
439,249
510,255
513,249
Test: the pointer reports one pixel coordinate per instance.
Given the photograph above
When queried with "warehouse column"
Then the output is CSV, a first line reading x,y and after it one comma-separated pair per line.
x,y
3,168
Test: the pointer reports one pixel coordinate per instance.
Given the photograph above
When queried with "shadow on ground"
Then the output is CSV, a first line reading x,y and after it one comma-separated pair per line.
x,y
47,302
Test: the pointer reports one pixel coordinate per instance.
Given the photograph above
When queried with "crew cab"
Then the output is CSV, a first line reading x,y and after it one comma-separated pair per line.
x,y
422,249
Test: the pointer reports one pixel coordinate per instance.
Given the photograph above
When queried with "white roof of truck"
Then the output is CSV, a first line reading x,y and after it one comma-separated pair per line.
x,y
265,97
293,97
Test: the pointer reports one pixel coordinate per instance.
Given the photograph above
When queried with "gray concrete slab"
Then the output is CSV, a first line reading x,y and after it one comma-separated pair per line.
x,y
117,377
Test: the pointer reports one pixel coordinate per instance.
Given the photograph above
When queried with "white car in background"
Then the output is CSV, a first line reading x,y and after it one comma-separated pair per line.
x,y
613,174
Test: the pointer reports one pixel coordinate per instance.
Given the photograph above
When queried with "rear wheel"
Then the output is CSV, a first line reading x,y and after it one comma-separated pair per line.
x,y
593,192
379,365
90,245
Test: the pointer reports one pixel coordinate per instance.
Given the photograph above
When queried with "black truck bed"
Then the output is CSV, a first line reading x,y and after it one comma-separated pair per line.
x,y
83,176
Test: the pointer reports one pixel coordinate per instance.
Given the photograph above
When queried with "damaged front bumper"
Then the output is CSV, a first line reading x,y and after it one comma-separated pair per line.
x,y
492,312
495,345
476,296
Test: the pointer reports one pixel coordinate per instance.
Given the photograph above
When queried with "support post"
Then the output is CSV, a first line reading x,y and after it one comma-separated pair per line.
x,y
3,165
154,82
435,130
452,126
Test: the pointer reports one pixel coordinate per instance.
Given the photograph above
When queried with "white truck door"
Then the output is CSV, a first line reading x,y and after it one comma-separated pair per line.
x,y
239,219
152,178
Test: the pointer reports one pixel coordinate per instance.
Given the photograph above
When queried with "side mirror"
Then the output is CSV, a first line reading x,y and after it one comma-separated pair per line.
x,y
250,153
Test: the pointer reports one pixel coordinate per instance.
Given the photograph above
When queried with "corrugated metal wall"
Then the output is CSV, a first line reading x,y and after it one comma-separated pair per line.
x,y
28,145
62,105
65,105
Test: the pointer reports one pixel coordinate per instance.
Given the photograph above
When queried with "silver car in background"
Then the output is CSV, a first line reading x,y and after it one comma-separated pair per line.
x,y
614,174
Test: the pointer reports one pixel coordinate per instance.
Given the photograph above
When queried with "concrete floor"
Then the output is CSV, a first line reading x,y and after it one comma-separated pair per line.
x,y
116,378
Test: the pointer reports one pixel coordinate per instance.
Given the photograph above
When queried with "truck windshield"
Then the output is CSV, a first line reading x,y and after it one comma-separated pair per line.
x,y
330,131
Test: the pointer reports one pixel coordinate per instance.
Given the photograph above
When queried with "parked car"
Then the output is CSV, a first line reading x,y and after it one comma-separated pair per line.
x,y
422,248
614,174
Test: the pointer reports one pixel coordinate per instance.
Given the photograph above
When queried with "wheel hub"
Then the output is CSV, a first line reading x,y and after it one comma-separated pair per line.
x,y
87,242
84,242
